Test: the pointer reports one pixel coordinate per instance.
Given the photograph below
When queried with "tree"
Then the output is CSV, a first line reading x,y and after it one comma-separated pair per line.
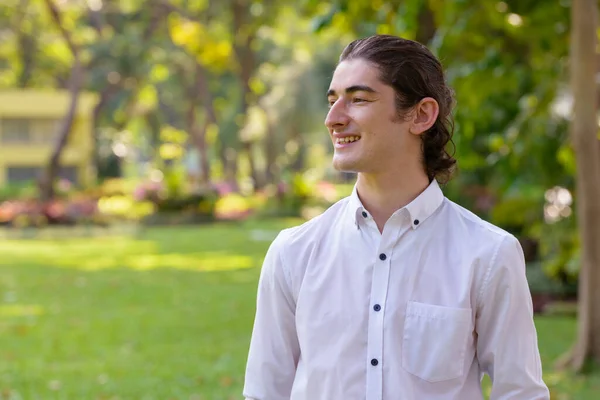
x,y
118,79
75,84
584,131
200,88
507,66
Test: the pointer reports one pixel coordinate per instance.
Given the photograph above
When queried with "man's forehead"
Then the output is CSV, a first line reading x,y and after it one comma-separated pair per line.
x,y
354,72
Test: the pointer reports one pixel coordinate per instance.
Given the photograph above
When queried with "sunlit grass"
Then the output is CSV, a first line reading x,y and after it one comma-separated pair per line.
x,y
217,245
20,310
165,314
120,252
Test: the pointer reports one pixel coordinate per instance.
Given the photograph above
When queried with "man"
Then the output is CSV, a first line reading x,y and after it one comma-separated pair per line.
x,y
395,292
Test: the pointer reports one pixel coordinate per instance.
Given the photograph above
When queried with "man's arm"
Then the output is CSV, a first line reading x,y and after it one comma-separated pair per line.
x,y
507,346
274,348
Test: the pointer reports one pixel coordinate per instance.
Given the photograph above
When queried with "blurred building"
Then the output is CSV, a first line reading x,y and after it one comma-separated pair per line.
x,y
29,124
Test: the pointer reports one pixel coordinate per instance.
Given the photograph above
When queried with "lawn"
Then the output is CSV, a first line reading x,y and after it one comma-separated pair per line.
x,y
164,315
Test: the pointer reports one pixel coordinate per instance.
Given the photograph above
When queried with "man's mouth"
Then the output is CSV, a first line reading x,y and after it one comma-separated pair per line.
x,y
347,139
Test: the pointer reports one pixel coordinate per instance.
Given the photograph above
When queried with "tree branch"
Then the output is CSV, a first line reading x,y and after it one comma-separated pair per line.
x,y
168,8
56,16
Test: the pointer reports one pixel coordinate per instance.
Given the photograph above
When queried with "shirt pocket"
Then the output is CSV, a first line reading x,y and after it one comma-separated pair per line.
x,y
435,341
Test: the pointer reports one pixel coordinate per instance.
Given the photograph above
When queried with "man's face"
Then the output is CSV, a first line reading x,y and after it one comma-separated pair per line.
x,y
367,134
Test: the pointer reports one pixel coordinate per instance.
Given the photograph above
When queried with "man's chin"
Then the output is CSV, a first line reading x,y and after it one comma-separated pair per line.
x,y
345,166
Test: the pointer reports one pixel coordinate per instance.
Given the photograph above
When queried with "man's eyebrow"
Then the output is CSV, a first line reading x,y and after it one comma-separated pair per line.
x,y
352,89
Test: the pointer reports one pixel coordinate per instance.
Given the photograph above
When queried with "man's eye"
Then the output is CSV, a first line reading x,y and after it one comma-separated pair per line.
x,y
358,100
331,102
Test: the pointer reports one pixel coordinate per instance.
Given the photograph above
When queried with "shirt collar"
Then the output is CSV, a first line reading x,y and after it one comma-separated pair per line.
x,y
421,208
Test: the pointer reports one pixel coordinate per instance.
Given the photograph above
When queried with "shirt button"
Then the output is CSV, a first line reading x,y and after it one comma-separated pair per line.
x,y
364,214
374,362
376,307
382,257
416,222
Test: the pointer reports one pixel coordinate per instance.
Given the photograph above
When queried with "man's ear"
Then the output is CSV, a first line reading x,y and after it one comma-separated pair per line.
x,y
424,115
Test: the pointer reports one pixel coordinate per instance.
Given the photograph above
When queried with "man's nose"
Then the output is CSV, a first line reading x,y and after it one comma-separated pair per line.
x,y
337,118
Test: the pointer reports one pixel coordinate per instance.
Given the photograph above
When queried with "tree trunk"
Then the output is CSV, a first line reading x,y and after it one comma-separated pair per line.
x,y
75,83
154,125
299,162
198,135
249,150
271,170
210,119
223,158
47,183
584,131
203,150
27,49
107,93
243,38
229,159
199,92
426,28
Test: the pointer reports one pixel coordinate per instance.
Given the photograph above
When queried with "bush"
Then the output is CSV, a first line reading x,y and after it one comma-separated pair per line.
x,y
298,196
174,204
233,206
33,213
16,191
541,283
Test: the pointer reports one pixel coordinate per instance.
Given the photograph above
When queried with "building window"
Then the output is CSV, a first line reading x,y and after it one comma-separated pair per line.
x,y
45,130
16,131
36,131
26,174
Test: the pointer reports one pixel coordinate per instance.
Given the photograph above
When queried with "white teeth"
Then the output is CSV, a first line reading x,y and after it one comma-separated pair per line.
x,y
347,139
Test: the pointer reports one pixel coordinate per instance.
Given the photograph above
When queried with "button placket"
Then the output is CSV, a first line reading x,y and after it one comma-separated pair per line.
x,y
379,288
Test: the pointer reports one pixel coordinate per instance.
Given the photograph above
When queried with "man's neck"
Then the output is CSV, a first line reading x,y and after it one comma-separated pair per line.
x,y
384,194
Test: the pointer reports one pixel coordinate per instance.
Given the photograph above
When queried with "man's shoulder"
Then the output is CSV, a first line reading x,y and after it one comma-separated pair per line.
x,y
475,228
494,248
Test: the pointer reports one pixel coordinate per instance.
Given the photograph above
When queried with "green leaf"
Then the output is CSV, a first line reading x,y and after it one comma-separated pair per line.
x,y
159,73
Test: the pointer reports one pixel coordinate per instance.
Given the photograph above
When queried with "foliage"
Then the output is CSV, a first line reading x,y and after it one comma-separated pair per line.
x,y
234,206
17,190
246,90
560,251
300,195
507,65
540,282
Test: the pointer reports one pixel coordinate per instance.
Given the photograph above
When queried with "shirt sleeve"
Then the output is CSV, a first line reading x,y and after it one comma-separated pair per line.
x,y
274,349
507,348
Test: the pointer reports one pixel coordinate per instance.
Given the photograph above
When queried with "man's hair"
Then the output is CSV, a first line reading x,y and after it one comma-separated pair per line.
x,y
414,73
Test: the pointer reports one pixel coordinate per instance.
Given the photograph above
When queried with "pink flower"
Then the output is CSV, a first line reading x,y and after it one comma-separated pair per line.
x,y
139,193
222,188
64,185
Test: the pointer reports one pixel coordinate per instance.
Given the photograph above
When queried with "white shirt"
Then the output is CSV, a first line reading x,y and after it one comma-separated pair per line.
x,y
418,312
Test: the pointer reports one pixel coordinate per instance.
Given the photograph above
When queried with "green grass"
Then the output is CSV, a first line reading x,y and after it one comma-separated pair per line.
x,y
166,315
